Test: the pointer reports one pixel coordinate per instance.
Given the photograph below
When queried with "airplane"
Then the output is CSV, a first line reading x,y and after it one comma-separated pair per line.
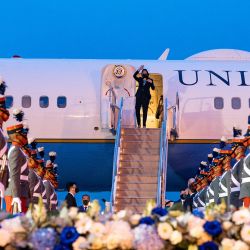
x,y
67,106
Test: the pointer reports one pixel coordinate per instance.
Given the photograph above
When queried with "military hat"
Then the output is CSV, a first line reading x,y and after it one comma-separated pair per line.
x,y
41,152
223,142
215,152
209,158
52,156
32,142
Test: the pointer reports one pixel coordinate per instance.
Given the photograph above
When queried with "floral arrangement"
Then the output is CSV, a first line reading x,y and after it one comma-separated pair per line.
x,y
156,229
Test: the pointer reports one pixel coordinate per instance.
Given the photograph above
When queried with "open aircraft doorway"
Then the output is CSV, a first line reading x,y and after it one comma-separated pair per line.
x,y
156,94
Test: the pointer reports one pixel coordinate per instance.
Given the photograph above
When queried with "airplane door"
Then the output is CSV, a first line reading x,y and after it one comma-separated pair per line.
x,y
117,82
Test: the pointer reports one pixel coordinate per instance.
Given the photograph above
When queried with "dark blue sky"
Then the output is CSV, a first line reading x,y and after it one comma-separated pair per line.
x,y
121,29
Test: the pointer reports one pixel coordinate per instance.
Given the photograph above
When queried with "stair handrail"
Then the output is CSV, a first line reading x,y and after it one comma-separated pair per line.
x,y
162,168
116,155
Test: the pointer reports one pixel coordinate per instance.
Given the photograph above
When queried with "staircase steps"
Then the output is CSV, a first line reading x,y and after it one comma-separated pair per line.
x,y
137,168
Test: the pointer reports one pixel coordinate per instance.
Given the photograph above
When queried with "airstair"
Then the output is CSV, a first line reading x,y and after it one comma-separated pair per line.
x,y
139,166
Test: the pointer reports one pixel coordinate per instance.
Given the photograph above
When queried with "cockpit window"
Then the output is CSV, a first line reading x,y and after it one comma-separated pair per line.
x,y
26,101
44,101
236,103
61,101
218,103
9,101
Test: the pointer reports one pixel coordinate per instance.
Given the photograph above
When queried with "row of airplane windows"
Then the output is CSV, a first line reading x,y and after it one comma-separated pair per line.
x,y
235,103
62,102
44,101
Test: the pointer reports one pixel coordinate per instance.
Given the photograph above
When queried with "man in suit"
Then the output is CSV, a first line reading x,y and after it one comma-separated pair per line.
x,y
18,191
143,94
85,203
70,197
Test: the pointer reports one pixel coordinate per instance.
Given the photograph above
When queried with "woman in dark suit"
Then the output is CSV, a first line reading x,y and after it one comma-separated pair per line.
x,y
143,94
70,197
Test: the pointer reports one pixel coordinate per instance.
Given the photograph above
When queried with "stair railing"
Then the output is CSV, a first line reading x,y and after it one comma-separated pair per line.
x,y
116,156
162,168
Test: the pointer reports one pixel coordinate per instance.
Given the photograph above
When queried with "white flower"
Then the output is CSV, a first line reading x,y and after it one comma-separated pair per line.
x,y
194,221
164,230
64,213
5,237
241,216
73,212
119,234
227,244
95,242
227,225
176,237
134,219
83,224
196,232
13,225
80,244
245,233
121,214
112,241
240,245
97,229
185,218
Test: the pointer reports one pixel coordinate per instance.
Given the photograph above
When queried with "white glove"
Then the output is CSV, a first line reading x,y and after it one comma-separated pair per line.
x,y
2,189
18,201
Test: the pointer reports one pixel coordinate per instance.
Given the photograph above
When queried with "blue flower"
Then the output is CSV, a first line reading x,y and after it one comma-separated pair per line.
x,y
210,245
198,213
147,220
159,211
43,238
213,227
69,235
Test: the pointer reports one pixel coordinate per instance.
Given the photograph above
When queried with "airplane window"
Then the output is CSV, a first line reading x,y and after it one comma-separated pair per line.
x,y
61,101
236,103
9,102
218,102
44,101
26,101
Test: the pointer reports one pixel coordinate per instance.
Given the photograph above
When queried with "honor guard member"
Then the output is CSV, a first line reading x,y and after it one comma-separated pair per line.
x,y
17,192
236,172
216,173
49,183
209,173
198,187
34,179
4,172
245,182
225,179
41,172
202,198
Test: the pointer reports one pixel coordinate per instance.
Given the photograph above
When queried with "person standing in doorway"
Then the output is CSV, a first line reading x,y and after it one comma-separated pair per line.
x,y
143,94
